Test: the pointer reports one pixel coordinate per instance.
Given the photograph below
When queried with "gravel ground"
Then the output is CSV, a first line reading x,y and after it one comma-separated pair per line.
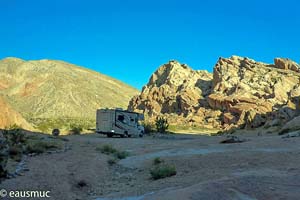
x,y
263,167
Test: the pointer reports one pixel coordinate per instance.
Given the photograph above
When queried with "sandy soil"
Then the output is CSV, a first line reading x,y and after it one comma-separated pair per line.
x,y
263,167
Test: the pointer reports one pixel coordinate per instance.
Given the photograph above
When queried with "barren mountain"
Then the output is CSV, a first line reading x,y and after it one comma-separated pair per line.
x,y
50,90
240,92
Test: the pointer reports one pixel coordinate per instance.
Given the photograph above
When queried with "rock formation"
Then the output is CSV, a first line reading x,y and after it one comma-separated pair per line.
x,y
240,92
284,63
250,93
177,91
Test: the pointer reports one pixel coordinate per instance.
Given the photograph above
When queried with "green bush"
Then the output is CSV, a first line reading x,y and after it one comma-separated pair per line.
x,y
40,147
48,124
107,149
162,171
121,154
75,129
157,161
111,161
35,148
14,135
148,127
110,150
15,150
161,124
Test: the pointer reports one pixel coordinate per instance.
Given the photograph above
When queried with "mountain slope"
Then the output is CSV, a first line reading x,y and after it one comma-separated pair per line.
x,y
9,117
50,89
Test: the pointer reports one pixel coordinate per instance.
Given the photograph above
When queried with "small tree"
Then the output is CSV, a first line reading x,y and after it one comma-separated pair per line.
x,y
148,127
161,124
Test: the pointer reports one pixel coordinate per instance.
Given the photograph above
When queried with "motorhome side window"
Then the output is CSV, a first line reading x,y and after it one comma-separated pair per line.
x,y
121,118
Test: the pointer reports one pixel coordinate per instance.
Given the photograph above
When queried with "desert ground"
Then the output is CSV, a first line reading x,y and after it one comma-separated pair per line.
x,y
262,167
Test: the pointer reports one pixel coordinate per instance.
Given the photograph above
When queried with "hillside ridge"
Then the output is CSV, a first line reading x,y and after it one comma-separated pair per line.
x,y
46,90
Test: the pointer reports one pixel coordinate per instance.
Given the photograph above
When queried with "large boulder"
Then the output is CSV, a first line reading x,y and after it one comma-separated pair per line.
x,y
292,125
287,64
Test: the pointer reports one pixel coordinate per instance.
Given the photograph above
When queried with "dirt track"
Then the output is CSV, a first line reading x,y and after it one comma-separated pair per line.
x,y
264,167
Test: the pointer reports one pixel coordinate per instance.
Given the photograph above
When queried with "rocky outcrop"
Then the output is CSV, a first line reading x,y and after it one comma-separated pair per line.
x,y
250,92
177,91
240,93
293,125
285,63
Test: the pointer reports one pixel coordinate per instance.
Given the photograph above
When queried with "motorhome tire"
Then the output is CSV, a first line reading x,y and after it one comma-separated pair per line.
x,y
126,133
109,134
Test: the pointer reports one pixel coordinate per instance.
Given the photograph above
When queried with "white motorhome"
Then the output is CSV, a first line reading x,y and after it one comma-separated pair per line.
x,y
119,122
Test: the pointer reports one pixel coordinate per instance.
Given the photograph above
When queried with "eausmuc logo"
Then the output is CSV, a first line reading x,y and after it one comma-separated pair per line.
x,y
24,194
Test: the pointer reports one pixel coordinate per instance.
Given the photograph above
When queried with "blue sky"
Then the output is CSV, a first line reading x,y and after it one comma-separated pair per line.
x,y
130,39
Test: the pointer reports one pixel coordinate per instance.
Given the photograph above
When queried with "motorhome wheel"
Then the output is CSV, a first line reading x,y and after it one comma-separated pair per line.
x,y
109,134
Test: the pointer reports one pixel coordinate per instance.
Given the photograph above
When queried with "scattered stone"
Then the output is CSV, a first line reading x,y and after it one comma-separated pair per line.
x,y
81,184
21,167
271,188
10,175
292,134
292,169
232,139
19,174
26,169
163,136
292,125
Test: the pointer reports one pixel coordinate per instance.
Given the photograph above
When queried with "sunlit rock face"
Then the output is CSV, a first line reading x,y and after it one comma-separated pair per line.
x,y
240,93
